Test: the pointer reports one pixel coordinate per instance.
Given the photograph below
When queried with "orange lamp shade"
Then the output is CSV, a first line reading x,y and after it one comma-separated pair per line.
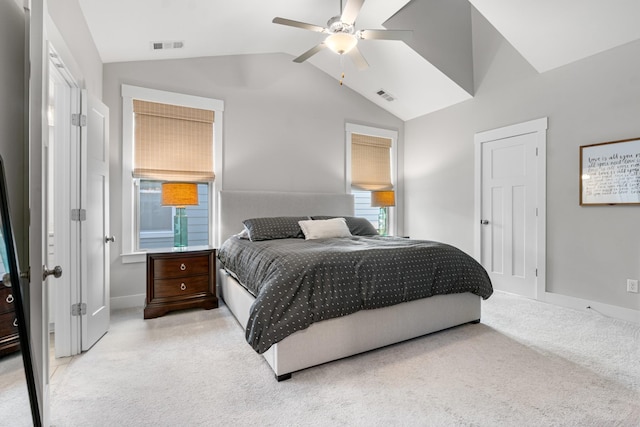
x,y
383,199
179,194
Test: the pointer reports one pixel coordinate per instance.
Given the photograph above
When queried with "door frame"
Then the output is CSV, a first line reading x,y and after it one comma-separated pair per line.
x,y
538,127
66,233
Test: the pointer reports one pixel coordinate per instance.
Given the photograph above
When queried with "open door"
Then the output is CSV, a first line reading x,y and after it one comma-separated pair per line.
x,y
38,313
94,200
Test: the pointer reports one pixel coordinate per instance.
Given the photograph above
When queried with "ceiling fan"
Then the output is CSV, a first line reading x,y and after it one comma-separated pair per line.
x,y
342,36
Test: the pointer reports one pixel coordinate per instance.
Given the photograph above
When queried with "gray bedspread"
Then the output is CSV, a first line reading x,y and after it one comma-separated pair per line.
x,y
297,282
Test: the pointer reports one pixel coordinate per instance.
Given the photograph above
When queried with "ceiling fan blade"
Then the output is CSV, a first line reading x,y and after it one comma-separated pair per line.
x,y
357,58
308,54
404,35
298,24
351,10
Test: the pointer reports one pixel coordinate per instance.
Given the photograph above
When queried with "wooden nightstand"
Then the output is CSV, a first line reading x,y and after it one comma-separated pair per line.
x,y
179,279
9,338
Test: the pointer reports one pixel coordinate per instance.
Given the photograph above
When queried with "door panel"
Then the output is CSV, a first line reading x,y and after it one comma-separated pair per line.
x,y
518,251
95,199
509,179
37,295
495,248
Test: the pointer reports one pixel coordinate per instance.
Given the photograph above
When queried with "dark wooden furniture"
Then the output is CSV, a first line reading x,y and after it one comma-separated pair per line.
x,y
179,279
9,338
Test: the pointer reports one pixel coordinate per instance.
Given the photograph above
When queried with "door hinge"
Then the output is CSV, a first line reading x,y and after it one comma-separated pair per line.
x,y
79,309
78,214
79,120
536,272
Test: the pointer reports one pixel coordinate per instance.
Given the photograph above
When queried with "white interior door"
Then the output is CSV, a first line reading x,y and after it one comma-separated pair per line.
x,y
509,213
94,190
512,208
38,134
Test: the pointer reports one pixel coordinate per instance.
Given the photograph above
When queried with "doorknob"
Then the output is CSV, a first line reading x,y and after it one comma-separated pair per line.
x,y
484,221
108,239
56,272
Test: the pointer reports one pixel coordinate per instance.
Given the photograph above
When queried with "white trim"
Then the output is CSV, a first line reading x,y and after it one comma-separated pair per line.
x,y
524,128
65,149
174,98
351,128
621,313
129,255
538,126
133,257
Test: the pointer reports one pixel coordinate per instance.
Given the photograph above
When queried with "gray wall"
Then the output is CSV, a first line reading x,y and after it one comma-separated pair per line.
x,y
13,117
284,127
69,20
591,251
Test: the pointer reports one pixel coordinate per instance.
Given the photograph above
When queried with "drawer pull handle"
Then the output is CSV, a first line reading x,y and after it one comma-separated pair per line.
x,y
183,286
9,299
183,267
15,323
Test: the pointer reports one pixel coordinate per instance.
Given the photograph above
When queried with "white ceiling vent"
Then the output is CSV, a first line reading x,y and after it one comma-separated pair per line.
x,y
167,45
386,95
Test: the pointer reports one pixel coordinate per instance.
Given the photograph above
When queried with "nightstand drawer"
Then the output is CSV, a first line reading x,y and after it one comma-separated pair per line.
x,y
167,288
180,267
6,299
8,324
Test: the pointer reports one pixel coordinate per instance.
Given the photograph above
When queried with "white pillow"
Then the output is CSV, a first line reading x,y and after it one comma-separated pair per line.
x,y
320,229
244,234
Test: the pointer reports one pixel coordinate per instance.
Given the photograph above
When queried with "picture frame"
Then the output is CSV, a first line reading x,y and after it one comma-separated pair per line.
x,y
610,173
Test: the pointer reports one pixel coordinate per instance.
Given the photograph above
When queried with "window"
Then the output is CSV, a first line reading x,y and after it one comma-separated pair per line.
x,y
371,154
155,150
156,221
363,208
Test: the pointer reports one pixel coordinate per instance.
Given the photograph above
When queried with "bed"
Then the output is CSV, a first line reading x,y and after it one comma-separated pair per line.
x,y
336,337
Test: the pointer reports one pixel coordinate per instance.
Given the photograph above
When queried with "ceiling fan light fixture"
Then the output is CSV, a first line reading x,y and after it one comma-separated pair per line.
x,y
341,43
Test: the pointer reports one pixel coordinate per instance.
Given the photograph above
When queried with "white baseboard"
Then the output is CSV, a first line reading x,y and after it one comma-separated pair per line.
x,y
626,314
614,311
129,301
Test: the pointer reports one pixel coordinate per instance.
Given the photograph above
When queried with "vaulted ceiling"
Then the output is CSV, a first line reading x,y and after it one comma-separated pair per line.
x,y
428,73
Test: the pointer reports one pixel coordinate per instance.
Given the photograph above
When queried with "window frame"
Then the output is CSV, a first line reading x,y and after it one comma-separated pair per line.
x,y
351,128
130,217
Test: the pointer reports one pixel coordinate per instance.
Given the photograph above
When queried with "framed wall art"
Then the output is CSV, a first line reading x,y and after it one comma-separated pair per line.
x,y
610,173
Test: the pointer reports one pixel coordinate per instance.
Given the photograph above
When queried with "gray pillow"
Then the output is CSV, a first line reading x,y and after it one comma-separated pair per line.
x,y
281,227
357,226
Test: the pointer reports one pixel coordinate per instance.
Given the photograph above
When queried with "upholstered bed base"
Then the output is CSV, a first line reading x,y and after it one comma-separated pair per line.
x,y
343,336
356,333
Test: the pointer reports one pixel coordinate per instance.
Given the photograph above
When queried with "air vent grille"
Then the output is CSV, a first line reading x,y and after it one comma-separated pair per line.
x,y
167,45
386,95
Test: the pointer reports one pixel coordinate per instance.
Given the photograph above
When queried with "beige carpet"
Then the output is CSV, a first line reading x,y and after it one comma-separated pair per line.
x,y
526,364
14,397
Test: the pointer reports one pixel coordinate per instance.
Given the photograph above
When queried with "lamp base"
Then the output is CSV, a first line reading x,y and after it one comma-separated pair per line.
x,y
382,221
180,231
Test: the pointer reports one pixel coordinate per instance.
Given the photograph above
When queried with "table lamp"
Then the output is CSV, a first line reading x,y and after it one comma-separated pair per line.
x,y
180,194
383,199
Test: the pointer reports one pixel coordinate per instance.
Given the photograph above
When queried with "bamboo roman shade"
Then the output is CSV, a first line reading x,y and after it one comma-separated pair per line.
x,y
370,162
172,143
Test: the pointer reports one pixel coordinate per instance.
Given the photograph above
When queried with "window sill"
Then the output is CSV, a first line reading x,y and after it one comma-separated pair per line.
x,y
133,257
